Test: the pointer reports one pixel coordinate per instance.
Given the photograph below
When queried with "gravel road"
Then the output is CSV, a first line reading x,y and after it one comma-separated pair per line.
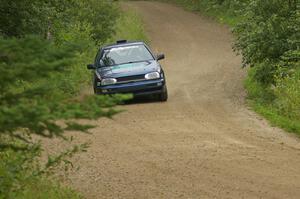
x,y
203,142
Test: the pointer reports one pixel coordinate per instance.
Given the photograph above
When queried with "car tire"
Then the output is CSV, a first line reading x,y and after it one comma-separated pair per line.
x,y
94,87
163,96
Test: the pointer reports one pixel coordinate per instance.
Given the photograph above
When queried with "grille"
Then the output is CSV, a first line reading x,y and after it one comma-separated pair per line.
x,y
131,78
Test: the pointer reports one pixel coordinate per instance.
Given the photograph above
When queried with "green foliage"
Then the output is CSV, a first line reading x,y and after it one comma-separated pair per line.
x,y
268,39
27,68
225,11
101,15
22,17
269,30
29,60
48,18
43,188
280,105
79,127
130,26
255,88
287,92
275,117
19,179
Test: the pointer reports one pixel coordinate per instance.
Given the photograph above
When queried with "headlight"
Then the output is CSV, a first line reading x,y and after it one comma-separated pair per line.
x,y
98,75
154,75
108,81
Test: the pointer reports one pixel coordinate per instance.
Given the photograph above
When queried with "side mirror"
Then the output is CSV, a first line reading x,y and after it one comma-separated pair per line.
x,y
160,57
91,66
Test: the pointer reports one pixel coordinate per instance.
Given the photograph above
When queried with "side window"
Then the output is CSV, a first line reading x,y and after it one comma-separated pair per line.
x,y
98,57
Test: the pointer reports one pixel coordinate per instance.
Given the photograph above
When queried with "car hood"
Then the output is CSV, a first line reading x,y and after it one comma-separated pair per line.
x,y
129,69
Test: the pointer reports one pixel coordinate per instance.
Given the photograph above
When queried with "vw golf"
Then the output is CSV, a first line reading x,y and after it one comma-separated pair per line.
x,y
129,67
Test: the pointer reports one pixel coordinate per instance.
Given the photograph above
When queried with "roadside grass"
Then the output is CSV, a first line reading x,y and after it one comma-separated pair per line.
x,y
272,114
264,101
219,13
130,27
46,189
19,178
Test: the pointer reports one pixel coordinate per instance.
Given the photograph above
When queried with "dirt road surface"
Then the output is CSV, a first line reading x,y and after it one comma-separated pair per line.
x,y
203,142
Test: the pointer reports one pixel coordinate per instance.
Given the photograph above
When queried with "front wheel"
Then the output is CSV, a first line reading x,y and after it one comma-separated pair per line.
x,y
163,96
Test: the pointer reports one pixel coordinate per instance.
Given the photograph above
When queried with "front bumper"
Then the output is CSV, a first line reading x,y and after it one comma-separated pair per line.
x,y
146,87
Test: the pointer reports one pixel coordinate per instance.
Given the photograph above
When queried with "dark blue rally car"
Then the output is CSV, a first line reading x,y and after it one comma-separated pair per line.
x,y
129,67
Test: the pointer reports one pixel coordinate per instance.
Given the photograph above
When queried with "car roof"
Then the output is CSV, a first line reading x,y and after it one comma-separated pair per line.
x,y
123,43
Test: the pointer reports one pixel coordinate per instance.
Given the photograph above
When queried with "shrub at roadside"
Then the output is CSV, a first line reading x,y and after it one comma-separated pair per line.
x,y
226,11
29,100
287,92
269,31
268,38
278,104
19,178
129,26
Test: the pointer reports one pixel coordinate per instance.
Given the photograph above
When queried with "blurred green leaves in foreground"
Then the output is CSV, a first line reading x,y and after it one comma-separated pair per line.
x,y
44,48
33,91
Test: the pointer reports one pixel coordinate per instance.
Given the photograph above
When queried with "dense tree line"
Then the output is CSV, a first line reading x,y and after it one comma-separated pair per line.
x,y
43,17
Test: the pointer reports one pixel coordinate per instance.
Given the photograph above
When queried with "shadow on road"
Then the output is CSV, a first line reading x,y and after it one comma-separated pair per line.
x,y
142,100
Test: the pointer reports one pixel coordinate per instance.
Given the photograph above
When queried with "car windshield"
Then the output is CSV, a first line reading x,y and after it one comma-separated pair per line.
x,y
126,54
